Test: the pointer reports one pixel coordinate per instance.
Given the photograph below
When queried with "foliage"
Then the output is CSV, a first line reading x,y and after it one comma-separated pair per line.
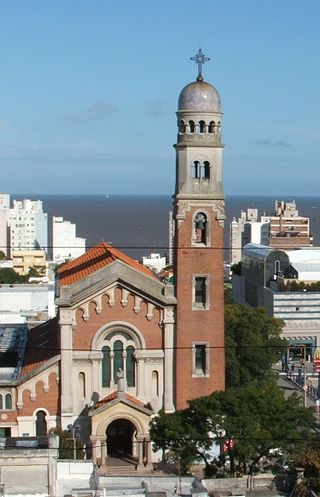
x,y
66,445
308,458
10,277
36,273
257,417
3,256
236,268
175,435
253,343
298,286
228,297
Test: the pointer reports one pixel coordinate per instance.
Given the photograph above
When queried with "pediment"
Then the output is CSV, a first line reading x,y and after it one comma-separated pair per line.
x,y
117,274
120,401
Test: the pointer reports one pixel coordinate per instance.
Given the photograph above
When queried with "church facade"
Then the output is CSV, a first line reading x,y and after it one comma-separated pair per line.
x,y
125,344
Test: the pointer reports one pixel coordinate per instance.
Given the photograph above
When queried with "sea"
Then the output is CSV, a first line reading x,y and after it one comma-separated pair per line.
x,y
139,224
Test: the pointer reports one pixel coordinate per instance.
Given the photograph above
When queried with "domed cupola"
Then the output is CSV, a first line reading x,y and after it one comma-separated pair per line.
x,y
199,109
199,96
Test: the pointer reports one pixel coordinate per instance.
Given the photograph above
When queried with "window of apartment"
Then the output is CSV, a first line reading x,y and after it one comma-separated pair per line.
x,y
200,359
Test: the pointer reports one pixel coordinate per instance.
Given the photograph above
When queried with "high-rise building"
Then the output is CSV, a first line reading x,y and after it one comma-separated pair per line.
x,y
4,220
28,226
65,243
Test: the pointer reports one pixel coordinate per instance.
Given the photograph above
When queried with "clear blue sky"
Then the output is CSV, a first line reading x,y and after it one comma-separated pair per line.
x,y
89,89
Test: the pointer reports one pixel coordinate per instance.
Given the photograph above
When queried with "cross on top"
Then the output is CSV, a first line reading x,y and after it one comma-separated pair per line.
x,y
200,59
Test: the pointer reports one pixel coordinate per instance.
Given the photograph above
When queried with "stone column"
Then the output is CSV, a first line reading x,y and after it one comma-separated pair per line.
x,y
168,330
66,323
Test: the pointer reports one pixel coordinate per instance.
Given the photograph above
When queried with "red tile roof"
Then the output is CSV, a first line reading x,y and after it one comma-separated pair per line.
x,y
114,395
94,259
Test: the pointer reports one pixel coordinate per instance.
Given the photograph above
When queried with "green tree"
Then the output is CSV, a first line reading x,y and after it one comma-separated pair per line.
x,y
9,276
66,445
2,256
256,417
177,437
253,343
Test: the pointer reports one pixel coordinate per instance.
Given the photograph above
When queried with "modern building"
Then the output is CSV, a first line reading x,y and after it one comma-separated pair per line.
x,y
4,222
65,243
286,283
24,260
155,262
126,343
30,303
28,226
288,230
284,229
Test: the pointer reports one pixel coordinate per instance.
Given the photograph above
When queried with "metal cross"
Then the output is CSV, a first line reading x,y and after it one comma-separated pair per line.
x,y
200,59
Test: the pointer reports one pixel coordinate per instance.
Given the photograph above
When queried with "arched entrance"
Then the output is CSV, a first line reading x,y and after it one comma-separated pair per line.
x,y
120,439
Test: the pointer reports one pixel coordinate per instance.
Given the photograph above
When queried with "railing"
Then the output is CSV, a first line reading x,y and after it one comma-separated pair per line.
x,y
298,380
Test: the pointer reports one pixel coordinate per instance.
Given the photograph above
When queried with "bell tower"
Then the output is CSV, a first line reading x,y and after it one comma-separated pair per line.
x,y
199,219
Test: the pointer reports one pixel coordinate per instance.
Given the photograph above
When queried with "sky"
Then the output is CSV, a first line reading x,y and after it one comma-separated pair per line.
x,y
89,90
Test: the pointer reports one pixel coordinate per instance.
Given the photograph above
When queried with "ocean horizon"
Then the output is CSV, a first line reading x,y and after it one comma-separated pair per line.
x,y
139,224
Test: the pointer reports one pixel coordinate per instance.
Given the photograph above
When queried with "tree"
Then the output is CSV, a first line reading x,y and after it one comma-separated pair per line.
x,y
255,417
308,458
2,256
258,418
253,343
66,445
10,277
175,435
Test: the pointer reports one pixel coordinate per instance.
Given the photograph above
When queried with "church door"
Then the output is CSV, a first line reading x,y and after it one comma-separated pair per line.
x,y
120,438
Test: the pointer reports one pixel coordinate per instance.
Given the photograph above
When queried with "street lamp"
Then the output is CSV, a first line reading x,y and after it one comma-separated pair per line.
x,y
74,429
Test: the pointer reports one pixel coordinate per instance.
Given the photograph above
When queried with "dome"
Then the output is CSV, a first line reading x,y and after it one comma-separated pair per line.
x,y
199,96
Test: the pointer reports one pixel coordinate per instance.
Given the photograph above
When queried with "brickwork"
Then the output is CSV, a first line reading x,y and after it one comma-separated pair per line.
x,y
47,398
85,331
199,325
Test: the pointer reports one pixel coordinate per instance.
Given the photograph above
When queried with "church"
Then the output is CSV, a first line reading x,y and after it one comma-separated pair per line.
x,y
125,344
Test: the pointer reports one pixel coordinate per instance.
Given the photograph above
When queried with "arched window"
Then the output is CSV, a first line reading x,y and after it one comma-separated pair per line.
x,y
200,228
212,126
41,424
196,170
155,384
182,127
206,170
202,125
1,402
192,126
106,367
119,353
8,401
130,366
118,357
82,384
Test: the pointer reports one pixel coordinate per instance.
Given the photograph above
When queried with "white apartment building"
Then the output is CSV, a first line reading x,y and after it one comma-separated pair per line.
x,y
4,221
65,243
28,226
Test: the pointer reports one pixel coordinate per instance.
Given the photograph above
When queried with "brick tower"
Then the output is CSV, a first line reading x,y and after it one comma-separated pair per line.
x,y
199,217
